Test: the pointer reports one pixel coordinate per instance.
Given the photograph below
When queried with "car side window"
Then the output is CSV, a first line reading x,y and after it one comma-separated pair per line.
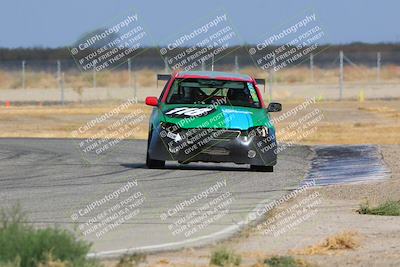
x,y
164,90
253,92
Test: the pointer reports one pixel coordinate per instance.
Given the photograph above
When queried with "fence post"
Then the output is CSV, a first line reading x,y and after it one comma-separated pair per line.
x,y
59,73
59,80
166,68
94,76
212,63
203,65
62,89
312,66
271,77
129,74
23,74
134,85
341,75
236,64
378,66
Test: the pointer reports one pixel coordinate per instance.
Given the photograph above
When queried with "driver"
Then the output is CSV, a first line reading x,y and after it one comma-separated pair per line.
x,y
193,93
237,95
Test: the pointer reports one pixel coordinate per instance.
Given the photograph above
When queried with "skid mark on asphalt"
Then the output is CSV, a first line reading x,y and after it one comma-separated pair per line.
x,y
346,164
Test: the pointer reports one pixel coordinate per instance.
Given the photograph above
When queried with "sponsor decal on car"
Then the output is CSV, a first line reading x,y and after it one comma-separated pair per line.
x,y
187,112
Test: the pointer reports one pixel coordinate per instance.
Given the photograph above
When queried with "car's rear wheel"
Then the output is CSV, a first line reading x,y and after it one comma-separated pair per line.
x,y
262,168
153,163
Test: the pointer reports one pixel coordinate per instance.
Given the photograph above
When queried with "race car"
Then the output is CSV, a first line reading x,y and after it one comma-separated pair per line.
x,y
205,116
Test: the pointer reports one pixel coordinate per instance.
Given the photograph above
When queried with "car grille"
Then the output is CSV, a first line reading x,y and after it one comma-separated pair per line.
x,y
224,134
216,151
215,134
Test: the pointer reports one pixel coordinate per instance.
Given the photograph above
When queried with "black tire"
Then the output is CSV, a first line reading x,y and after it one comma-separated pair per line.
x,y
262,168
153,163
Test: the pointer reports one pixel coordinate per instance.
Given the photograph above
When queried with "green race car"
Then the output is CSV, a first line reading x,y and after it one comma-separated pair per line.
x,y
211,117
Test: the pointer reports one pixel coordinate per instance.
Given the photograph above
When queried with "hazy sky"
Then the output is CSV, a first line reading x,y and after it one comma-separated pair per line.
x,y
54,23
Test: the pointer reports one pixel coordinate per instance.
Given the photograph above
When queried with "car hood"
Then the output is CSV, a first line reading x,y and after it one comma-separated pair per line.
x,y
207,116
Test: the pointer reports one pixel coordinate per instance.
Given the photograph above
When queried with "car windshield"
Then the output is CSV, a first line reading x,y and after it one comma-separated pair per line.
x,y
202,91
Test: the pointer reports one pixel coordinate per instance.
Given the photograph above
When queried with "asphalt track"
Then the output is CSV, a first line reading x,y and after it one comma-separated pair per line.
x,y
54,182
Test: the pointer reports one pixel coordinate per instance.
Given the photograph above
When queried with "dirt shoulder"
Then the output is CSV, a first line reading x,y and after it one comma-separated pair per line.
x,y
377,237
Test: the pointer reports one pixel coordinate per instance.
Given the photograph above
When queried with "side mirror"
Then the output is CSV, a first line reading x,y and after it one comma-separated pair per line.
x,y
152,101
274,107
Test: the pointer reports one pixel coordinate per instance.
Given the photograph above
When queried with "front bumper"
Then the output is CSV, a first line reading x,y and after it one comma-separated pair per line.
x,y
207,146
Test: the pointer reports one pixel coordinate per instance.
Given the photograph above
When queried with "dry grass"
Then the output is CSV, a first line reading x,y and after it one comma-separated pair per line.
x,y
386,111
342,241
354,133
60,122
343,123
146,77
351,122
44,111
77,80
352,74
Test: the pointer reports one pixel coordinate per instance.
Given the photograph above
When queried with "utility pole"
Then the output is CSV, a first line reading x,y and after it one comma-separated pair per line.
x,y
212,63
341,75
203,65
23,74
378,66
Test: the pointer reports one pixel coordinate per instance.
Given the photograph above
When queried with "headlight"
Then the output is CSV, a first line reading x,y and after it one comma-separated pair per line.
x,y
258,131
170,127
170,130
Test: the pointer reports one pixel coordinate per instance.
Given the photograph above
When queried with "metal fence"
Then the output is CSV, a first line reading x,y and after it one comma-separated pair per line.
x,y
58,71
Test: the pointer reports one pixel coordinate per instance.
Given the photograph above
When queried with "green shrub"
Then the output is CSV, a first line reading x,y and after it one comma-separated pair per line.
x,y
15,263
281,261
23,245
389,208
225,257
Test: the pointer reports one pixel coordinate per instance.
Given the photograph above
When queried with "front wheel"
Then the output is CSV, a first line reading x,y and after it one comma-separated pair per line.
x,y
262,168
153,163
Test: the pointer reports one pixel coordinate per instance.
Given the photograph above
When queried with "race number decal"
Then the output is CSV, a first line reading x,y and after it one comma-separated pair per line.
x,y
182,112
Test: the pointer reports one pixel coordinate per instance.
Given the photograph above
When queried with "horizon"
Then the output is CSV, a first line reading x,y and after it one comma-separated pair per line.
x,y
238,45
